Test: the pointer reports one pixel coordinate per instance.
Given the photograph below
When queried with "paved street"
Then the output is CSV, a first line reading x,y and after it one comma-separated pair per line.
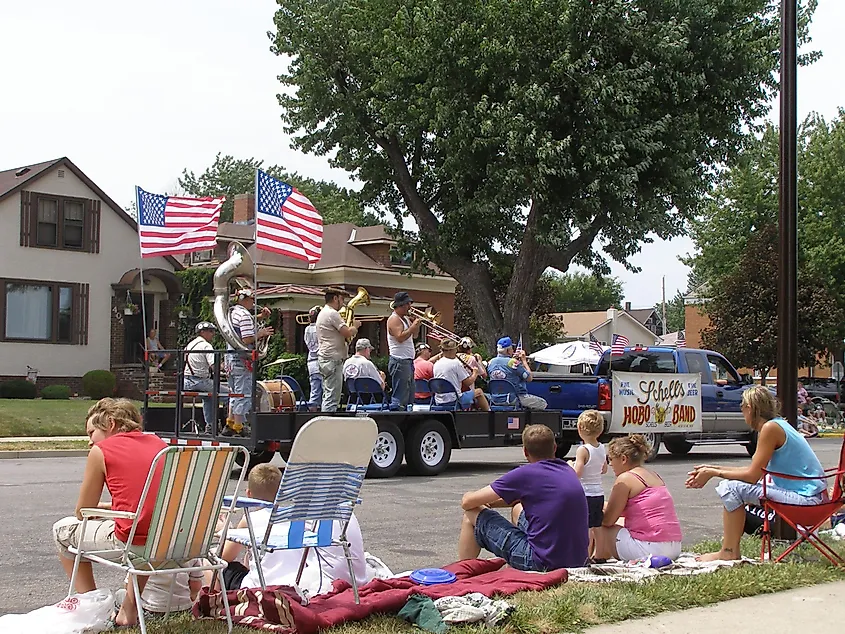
x,y
408,522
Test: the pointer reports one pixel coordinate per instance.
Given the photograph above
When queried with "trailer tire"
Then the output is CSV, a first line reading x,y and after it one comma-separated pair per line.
x,y
654,441
429,448
751,446
562,449
677,446
387,452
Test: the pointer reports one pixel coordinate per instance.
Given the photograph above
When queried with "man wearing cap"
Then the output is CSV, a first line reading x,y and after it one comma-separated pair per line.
x,y
359,365
460,376
332,333
514,368
199,371
240,363
400,343
312,343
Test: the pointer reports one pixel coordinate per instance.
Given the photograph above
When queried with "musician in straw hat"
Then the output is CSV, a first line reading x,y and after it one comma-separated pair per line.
x,y
451,368
400,342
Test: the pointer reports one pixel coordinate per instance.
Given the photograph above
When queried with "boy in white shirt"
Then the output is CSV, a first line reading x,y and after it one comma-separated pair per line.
x,y
590,464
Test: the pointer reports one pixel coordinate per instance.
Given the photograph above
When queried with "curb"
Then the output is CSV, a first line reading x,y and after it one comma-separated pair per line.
x,y
831,434
46,453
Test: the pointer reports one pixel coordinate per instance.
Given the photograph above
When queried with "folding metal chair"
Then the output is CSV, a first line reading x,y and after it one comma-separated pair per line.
x,y
299,395
442,386
372,389
504,397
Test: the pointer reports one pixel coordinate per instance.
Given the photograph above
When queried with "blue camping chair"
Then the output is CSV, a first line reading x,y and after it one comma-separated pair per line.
x,y
299,395
351,395
442,386
372,388
503,396
421,386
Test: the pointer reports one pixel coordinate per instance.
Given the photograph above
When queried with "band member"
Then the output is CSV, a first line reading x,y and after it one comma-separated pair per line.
x,y
332,333
473,361
423,371
400,343
199,369
312,343
460,376
360,366
240,363
513,367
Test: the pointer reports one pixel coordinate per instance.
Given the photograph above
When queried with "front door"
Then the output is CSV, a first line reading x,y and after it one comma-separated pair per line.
x,y
133,330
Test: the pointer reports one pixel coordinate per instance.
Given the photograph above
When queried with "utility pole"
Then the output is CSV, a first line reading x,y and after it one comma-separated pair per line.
x,y
788,198
664,305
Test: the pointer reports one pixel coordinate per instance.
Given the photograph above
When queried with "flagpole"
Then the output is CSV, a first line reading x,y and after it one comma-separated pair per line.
x,y
141,270
664,305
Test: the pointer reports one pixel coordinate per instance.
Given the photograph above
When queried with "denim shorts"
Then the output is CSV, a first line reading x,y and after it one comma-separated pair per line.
x,y
736,494
503,539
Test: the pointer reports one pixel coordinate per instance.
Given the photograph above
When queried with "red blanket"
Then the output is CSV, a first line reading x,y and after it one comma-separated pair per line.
x,y
278,609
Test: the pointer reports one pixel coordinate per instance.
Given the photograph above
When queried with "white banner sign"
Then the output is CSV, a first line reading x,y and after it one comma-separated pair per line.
x,y
647,403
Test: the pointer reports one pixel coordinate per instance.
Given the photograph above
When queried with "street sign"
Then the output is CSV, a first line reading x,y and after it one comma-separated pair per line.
x,y
838,371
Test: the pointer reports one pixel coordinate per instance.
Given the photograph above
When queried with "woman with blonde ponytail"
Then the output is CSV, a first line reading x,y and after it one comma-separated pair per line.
x,y
641,497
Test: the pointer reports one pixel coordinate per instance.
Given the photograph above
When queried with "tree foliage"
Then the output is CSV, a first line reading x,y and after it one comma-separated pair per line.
x,y
557,131
230,176
744,316
675,312
579,292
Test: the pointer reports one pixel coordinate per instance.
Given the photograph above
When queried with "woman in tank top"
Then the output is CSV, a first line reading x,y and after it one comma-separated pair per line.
x,y
780,448
641,497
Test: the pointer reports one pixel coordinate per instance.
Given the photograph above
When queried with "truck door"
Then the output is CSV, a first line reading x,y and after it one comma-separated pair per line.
x,y
729,391
697,364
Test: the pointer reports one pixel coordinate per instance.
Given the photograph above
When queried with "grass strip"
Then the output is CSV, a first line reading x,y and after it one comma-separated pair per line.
x,y
45,445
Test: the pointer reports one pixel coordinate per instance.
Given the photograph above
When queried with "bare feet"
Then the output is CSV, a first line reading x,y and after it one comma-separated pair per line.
x,y
721,555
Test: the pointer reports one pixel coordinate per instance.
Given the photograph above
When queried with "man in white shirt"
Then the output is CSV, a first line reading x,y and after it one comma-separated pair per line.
x,y
359,365
312,343
400,343
332,333
199,371
455,371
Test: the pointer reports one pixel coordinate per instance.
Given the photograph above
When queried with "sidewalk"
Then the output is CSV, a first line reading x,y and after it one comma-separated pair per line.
x,y
42,438
810,609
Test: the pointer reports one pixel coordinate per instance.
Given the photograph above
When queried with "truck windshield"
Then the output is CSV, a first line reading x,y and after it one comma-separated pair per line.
x,y
639,361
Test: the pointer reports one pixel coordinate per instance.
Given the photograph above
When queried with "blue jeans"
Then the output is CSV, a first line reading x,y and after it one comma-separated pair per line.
x,y
736,494
196,384
401,373
316,397
240,382
503,539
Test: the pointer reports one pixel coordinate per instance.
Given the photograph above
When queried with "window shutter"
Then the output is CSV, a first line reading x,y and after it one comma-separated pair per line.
x,y
92,225
80,314
27,222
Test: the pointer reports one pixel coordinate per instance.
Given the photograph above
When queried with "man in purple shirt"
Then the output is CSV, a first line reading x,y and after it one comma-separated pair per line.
x,y
548,527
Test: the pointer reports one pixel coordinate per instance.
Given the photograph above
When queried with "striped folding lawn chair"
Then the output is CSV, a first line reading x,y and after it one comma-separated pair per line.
x,y
185,512
320,485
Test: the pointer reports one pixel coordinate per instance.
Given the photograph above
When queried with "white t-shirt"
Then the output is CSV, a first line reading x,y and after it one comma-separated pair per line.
x,y
591,473
400,349
199,365
358,367
157,591
332,343
280,567
453,371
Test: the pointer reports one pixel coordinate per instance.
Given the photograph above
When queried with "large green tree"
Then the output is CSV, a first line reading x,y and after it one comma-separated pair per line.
x,y
230,176
743,309
558,131
577,292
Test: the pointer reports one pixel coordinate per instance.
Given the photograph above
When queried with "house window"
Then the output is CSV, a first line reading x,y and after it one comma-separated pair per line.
x,y
201,256
59,222
48,312
48,222
73,220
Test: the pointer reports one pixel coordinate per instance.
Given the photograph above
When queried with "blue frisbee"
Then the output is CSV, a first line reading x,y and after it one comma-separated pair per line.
x,y
432,576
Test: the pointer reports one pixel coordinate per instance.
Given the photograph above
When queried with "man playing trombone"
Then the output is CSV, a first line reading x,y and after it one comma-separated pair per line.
x,y
400,343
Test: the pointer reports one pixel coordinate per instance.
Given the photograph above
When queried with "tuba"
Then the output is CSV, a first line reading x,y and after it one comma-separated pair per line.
x,y
347,313
238,267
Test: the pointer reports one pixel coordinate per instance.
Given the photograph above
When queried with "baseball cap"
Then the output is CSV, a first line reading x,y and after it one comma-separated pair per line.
x,y
401,298
422,346
363,344
504,342
466,343
244,292
205,325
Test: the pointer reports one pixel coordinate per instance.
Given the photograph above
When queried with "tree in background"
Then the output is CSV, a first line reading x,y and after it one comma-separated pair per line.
x,y
675,312
743,309
580,292
566,148
230,176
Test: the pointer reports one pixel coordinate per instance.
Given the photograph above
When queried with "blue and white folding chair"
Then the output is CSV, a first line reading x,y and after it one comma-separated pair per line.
x,y
503,396
369,389
421,387
442,386
320,486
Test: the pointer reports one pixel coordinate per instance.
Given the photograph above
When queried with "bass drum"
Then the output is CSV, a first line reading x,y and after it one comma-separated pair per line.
x,y
275,396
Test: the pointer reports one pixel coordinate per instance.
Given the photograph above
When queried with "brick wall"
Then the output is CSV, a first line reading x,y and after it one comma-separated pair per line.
x,y
244,207
696,321
117,330
377,252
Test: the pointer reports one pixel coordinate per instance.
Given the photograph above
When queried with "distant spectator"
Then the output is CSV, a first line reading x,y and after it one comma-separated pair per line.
x,y
803,398
157,358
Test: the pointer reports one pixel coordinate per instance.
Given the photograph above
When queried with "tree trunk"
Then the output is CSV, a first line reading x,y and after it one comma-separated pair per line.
x,y
478,285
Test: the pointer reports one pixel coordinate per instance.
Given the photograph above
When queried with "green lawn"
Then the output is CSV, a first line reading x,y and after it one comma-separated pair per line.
x,y
573,607
37,417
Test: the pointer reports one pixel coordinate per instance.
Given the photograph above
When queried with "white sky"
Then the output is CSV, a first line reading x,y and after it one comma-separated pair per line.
x,y
134,92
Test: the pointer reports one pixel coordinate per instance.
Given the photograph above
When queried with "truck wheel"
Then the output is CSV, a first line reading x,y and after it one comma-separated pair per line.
x,y
387,452
429,448
677,446
562,449
751,447
654,442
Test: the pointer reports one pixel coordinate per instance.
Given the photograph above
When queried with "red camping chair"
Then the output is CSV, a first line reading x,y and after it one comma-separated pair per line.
x,y
806,520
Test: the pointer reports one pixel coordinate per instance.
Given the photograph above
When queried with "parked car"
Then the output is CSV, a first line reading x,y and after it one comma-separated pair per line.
x,y
823,387
721,396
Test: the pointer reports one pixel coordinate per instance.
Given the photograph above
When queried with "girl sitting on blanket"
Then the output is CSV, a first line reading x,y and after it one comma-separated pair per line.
x,y
780,448
641,497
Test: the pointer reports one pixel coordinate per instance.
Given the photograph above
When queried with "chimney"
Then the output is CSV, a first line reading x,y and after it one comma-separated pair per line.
x,y
627,304
244,208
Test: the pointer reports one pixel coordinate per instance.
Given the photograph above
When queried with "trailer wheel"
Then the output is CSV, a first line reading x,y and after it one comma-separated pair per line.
x,y
387,452
429,448
562,449
654,442
677,446
751,447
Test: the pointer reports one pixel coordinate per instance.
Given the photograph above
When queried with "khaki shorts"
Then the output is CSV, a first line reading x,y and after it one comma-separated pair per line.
x,y
99,535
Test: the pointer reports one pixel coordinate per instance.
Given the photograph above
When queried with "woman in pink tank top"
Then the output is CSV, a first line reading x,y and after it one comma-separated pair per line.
x,y
120,459
642,499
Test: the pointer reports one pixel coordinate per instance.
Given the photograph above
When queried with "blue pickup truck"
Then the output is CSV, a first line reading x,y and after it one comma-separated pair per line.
x,y
721,395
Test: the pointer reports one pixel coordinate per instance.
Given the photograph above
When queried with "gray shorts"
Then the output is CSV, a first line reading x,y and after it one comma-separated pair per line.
x,y
99,535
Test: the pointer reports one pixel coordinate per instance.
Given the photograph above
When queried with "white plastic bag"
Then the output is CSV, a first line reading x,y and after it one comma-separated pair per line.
x,y
78,614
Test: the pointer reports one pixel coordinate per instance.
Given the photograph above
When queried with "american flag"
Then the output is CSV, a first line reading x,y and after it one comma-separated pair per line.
x,y
170,225
620,342
285,221
682,340
518,346
595,346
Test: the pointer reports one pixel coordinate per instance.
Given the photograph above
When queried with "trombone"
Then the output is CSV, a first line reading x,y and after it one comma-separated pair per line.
x,y
431,320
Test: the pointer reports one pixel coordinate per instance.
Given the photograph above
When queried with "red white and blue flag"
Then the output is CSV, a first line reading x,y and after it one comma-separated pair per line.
x,y
682,340
170,225
620,342
595,346
285,221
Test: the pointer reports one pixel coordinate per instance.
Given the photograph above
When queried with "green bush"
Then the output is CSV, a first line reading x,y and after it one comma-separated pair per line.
x,y
99,384
56,392
298,369
17,388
